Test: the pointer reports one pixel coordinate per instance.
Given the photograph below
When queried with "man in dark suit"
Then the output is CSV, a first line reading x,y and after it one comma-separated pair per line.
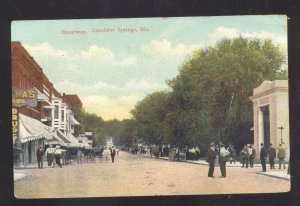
x,y
272,155
112,153
210,158
263,155
40,157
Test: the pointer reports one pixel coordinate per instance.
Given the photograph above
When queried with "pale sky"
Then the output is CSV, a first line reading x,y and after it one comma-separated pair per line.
x,y
112,71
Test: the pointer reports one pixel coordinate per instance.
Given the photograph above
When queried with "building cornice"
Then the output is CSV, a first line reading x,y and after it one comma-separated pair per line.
x,y
268,92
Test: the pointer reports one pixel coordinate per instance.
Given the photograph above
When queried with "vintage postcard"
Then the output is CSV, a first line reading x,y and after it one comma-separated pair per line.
x,y
150,106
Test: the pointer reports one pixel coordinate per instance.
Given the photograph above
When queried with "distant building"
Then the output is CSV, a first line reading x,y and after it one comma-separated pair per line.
x,y
271,111
73,101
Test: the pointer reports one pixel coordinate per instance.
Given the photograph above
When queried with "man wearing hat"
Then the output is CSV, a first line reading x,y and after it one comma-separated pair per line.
x,y
281,155
272,155
50,155
252,154
58,153
222,159
40,156
210,158
263,154
245,156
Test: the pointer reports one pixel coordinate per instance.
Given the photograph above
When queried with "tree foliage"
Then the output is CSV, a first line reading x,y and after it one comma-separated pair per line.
x,y
90,123
210,96
208,101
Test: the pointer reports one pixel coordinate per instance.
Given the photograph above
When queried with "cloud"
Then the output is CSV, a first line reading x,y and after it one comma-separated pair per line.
x,y
144,85
281,40
223,32
83,90
94,54
107,100
45,49
127,61
164,47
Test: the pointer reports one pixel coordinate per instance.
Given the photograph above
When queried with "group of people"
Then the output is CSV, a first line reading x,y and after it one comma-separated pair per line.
x,y
211,158
55,155
247,157
193,153
109,153
270,153
52,154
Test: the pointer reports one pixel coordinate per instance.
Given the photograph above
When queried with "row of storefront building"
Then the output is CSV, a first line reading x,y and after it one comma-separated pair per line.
x,y
51,120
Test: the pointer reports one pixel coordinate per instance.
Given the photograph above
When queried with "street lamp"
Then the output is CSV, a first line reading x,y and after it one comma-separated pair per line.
x,y
281,128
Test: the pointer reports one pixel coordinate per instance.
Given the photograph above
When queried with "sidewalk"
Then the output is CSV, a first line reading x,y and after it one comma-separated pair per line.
x,y
276,174
203,162
20,172
19,175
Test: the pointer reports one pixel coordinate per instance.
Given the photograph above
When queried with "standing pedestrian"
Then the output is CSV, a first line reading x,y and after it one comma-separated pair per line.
x,y
40,156
271,155
112,153
232,154
50,155
245,156
197,150
193,152
211,158
281,156
222,159
263,155
252,154
79,156
106,154
57,153
187,153
177,154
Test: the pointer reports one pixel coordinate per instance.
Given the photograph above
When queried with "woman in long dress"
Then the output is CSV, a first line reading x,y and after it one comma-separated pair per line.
x,y
106,154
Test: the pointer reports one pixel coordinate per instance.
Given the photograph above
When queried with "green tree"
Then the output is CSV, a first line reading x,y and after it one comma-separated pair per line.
x,y
211,93
90,123
150,114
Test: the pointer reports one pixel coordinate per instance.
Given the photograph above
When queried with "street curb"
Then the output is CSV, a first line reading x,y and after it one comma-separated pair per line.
x,y
20,175
199,163
274,176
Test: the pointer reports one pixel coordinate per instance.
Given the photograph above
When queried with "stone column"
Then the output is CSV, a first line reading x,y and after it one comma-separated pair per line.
x,y
260,127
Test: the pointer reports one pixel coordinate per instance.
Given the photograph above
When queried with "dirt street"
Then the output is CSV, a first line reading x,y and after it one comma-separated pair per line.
x,y
135,175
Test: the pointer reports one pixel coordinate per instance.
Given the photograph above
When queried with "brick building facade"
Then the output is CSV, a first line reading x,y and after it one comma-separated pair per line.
x,y
27,74
72,101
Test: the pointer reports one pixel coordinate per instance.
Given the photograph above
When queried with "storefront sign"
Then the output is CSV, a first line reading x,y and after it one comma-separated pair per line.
x,y
22,98
15,123
88,133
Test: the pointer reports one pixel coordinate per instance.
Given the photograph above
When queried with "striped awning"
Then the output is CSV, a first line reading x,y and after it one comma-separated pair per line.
x,y
31,129
73,121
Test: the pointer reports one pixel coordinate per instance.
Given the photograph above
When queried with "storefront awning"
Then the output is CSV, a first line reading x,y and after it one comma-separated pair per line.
x,y
68,142
58,141
73,121
31,129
